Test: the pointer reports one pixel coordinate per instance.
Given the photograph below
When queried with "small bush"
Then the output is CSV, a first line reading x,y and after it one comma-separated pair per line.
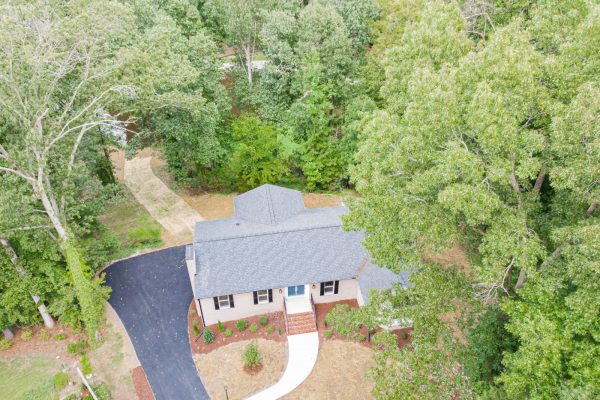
x,y
44,335
251,356
328,333
5,344
361,337
78,347
241,325
102,391
262,321
269,329
253,328
26,334
279,330
403,335
209,336
60,336
191,311
86,367
228,332
220,326
149,233
60,380
196,329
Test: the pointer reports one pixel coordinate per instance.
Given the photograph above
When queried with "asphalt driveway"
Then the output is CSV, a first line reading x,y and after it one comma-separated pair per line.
x,y
151,293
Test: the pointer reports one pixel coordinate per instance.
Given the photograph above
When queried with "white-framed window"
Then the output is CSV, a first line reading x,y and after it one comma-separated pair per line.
x,y
223,302
328,287
262,296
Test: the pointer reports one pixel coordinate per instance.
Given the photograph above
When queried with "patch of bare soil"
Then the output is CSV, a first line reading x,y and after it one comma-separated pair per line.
x,y
142,387
319,200
453,257
224,367
338,374
38,344
276,321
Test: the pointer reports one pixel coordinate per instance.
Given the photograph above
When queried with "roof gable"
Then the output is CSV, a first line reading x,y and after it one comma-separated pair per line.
x,y
268,204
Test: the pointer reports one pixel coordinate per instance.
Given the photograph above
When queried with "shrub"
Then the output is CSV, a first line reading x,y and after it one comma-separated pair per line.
x,y
253,328
262,321
78,347
196,329
361,337
191,311
251,356
148,233
60,336
279,330
328,333
241,325
5,344
228,332
403,335
86,367
60,380
102,391
44,335
26,334
220,326
269,329
209,336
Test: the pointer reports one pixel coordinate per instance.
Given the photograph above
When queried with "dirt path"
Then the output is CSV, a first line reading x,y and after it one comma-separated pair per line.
x,y
170,210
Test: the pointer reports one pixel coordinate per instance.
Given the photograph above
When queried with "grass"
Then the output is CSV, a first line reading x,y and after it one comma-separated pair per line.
x,y
24,378
132,224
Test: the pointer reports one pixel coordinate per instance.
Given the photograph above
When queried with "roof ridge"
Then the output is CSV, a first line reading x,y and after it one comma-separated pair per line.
x,y
270,204
270,233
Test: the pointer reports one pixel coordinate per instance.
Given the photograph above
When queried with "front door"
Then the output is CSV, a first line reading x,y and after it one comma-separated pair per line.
x,y
295,290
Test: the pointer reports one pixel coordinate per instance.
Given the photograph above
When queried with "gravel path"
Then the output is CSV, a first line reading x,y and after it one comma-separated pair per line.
x,y
170,210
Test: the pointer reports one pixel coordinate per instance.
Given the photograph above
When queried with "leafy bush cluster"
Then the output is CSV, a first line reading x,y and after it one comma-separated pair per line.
x,y
241,325
5,344
251,356
263,320
209,336
78,347
60,380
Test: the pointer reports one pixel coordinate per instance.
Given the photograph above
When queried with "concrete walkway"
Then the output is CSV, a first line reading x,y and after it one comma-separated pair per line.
x,y
170,210
302,356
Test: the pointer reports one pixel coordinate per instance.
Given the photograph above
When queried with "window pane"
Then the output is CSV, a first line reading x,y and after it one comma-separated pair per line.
x,y
223,301
263,296
300,289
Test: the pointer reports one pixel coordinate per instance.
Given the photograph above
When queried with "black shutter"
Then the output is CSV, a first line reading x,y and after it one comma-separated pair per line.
x,y
336,287
216,299
322,288
231,301
255,293
270,295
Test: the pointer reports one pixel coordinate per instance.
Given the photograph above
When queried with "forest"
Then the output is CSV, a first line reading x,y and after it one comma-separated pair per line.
x,y
469,125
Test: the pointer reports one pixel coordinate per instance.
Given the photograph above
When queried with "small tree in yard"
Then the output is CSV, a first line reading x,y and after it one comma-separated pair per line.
x,y
251,356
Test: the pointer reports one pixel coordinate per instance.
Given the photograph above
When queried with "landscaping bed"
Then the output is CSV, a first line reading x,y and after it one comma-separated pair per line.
x,y
273,329
142,387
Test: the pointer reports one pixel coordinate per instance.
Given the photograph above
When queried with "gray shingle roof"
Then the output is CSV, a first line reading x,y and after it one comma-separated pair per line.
x,y
273,242
375,277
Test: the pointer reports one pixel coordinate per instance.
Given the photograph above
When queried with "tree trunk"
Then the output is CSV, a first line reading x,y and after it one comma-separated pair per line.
x,y
540,180
521,280
48,320
8,334
249,66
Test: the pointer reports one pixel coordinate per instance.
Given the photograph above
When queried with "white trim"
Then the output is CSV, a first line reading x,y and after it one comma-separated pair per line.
x,y
306,292
265,296
222,303
328,289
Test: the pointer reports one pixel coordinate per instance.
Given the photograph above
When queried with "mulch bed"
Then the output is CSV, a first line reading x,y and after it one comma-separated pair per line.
x,y
142,387
276,320
37,345
323,309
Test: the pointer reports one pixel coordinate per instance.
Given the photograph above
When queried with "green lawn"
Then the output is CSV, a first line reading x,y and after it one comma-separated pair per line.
x,y
25,378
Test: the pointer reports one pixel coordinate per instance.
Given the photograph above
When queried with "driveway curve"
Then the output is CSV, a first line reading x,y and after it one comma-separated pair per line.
x,y
151,294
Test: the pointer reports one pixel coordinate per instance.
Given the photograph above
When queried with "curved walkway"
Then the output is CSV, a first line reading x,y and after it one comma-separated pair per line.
x,y
302,356
151,294
170,210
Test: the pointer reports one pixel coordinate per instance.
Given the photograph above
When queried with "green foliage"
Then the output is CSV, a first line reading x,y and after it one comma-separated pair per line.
x,y
102,392
269,329
26,334
220,326
86,366
263,320
5,344
279,330
253,328
146,234
78,347
60,380
251,356
44,335
361,337
328,333
209,336
255,157
228,332
195,329
241,325
60,336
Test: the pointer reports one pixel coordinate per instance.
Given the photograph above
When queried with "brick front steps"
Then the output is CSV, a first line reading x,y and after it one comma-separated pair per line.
x,y
301,323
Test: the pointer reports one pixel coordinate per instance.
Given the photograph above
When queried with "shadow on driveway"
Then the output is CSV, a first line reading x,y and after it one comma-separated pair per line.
x,y
152,293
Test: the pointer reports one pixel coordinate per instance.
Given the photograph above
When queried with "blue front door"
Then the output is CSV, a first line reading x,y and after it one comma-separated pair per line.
x,y
295,290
